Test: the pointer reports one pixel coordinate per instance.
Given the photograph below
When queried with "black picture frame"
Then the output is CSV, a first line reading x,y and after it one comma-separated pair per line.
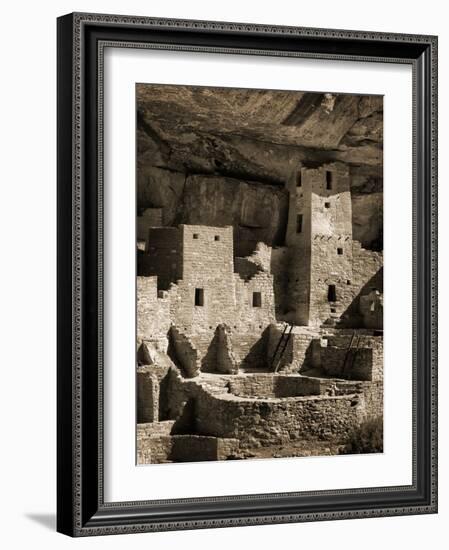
x,y
81,510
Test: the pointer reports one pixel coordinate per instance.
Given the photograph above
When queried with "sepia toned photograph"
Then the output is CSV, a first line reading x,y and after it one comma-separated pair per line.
x,y
259,229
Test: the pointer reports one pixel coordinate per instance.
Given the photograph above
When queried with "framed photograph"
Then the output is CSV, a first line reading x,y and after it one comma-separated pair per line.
x,y
246,274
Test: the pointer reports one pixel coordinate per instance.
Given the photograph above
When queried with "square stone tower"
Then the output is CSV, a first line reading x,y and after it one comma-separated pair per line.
x,y
206,289
319,238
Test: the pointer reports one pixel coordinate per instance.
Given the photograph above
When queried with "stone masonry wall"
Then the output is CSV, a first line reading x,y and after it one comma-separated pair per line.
x,y
363,361
296,355
153,313
269,385
369,365
208,265
274,422
279,262
227,362
374,403
185,448
248,348
246,313
366,266
331,244
194,448
203,262
319,234
322,254
336,408
163,255
245,268
276,358
147,397
153,450
330,268
185,353
151,402
153,445
367,270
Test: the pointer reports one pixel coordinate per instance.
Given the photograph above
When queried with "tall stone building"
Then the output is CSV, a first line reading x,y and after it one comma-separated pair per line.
x,y
319,239
201,281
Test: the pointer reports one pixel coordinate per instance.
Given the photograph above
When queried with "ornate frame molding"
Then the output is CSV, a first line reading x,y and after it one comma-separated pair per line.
x,y
81,41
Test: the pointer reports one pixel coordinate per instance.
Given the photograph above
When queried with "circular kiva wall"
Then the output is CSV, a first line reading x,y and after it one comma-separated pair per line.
x,y
273,386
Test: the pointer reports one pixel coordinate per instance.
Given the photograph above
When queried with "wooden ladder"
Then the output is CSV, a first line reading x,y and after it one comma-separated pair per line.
x,y
281,347
349,357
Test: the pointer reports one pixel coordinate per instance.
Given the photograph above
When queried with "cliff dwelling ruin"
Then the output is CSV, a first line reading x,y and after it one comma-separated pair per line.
x,y
259,272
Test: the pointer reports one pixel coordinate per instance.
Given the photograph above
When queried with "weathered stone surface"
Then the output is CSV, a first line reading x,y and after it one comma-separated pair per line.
x,y
275,421
185,135
185,353
157,449
258,213
227,361
366,129
160,188
301,119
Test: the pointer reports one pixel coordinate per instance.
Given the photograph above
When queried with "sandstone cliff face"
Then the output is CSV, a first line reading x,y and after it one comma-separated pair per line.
x,y
222,156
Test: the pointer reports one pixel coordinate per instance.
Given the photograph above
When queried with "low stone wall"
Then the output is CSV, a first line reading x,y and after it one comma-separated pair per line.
x,y
150,402
374,399
251,349
353,364
248,349
147,397
153,313
275,422
227,362
153,429
194,448
363,366
296,355
271,386
363,361
153,441
367,268
185,448
371,394
202,407
206,344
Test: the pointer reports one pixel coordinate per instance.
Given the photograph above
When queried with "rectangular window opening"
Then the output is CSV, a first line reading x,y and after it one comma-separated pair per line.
x,y
217,238
329,178
195,235
327,205
299,179
299,223
199,296
340,251
257,299
331,293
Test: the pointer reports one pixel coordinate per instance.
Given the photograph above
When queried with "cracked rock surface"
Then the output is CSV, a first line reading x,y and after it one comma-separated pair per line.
x,y
224,154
